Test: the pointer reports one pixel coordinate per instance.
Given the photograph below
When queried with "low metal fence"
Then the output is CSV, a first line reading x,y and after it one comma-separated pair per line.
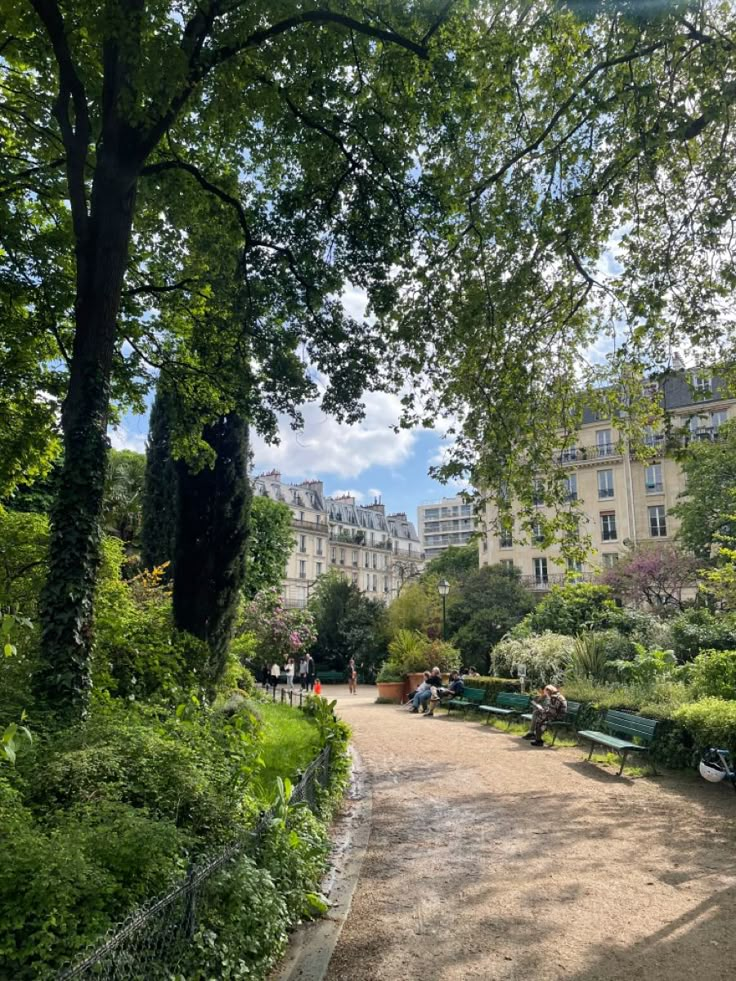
x,y
152,940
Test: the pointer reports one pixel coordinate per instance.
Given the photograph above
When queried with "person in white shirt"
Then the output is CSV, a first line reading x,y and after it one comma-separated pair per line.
x,y
290,669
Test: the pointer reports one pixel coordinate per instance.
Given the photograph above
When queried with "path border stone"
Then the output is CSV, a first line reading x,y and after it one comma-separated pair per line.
x,y
311,946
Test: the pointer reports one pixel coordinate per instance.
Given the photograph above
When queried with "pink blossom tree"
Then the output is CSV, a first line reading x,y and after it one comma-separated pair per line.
x,y
653,575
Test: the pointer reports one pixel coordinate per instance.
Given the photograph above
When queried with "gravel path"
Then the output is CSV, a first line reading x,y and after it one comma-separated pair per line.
x,y
489,858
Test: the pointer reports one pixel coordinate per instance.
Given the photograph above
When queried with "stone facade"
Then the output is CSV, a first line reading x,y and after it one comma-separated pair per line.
x,y
377,551
623,502
445,523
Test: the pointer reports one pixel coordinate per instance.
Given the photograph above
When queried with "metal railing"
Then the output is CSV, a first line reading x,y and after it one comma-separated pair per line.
x,y
153,940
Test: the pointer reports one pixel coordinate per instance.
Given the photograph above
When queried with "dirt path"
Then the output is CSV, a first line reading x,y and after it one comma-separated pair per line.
x,y
492,859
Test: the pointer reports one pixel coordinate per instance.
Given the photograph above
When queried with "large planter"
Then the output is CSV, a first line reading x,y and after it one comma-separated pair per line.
x,y
392,691
414,680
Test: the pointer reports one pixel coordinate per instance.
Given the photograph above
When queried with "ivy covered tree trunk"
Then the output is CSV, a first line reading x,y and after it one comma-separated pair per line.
x,y
211,539
158,530
64,680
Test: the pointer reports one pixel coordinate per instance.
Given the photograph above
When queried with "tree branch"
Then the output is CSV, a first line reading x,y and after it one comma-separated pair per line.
x,y
154,288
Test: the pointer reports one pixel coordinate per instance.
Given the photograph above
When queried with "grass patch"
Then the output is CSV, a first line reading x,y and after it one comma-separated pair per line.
x,y
290,742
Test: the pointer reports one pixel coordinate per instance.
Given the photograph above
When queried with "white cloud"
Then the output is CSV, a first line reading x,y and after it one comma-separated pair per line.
x,y
122,438
375,492
326,446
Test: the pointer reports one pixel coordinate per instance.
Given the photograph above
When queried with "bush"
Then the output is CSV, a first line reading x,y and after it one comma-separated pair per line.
x,y
618,646
546,657
412,651
242,923
714,673
710,722
646,668
492,686
570,608
698,630
589,657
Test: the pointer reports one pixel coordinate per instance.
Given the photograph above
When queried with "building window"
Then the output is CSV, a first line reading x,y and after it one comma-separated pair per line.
x,y
603,443
609,559
605,484
385,584
538,491
342,556
608,526
319,546
653,479
537,532
375,584
319,568
574,566
355,578
355,557
569,454
302,543
301,516
571,487
506,539
507,564
540,571
366,561
717,419
333,554
702,384
375,561
302,569
657,521
651,438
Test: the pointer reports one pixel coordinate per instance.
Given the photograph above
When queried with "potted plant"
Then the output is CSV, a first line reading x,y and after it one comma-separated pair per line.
x,y
390,683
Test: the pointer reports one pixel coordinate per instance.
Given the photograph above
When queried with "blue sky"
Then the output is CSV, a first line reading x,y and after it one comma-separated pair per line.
x,y
367,459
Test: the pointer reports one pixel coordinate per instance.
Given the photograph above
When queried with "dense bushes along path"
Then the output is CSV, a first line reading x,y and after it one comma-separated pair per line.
x,y
492,859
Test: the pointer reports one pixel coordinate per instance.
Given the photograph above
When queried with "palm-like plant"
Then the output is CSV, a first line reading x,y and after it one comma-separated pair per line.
x,y
589,658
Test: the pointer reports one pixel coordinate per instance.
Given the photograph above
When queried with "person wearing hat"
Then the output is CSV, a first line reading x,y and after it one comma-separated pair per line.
x,y
552,706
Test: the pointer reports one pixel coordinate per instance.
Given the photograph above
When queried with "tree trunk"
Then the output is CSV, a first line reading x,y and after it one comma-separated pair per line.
x,y
64,680
211,540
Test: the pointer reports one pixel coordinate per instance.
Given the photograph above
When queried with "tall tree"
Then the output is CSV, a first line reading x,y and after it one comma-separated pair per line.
x,y
158,527
211,539
707,505
87,98
270,544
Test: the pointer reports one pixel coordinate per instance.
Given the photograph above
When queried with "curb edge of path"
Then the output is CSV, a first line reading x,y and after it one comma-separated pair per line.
x,y
312,945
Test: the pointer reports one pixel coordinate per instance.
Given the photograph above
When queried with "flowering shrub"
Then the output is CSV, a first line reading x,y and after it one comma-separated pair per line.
x,y
279,633
546,657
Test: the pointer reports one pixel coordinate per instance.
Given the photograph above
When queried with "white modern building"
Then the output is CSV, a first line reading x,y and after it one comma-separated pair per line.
x,y
375,550
445,523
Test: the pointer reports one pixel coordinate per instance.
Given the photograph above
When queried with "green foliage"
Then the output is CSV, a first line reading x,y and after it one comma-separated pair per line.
x,y
707,506
412,651
646,667
455,563
714,674
213,504
389,673
242,921
23,546
270,541
484,608
700,629
570,608
589,657
280,633
417,607
547,657
492,686
294,851
158,524
122,509
290,741
711,721
349,625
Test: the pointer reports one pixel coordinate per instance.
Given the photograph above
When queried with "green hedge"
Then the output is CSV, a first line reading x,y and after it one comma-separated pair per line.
x,y
492,686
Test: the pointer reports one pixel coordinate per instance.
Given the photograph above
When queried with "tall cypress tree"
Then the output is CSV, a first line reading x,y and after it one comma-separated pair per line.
x,y
159,492
211,538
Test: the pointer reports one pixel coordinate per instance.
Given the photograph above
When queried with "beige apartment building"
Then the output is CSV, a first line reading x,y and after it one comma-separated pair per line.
x,y
375,550
444,523
623,502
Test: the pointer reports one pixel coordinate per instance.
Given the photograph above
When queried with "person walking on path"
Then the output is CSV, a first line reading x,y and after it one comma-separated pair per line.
x,y
352,677
310,672
303,671
290,669
275,676
552,707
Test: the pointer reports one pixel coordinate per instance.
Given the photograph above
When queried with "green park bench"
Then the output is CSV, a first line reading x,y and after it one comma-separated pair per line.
x,y
568,721
506,706
622,724
330,677
471,698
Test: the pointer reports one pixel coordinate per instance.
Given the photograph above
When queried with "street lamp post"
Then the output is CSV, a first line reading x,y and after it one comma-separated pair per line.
x,y
443,588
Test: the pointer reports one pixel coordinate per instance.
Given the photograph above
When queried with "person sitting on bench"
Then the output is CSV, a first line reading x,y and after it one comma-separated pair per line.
x,y
423,693
550,708
455,689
